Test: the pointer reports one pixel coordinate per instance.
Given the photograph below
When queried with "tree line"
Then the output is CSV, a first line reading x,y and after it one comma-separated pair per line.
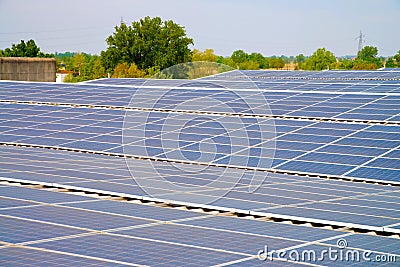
x,y
366,59
28,49
149,45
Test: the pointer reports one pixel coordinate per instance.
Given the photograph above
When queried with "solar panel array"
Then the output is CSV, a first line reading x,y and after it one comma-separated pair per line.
x,y
74,229
354,150
382,74
334,165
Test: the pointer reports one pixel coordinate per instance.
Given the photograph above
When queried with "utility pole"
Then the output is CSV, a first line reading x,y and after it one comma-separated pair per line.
x,y
360,41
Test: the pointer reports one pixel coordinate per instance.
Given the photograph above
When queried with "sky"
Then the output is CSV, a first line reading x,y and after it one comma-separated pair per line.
x,y
284,27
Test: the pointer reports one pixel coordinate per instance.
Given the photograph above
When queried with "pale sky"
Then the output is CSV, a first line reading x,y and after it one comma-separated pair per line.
x,y
281,27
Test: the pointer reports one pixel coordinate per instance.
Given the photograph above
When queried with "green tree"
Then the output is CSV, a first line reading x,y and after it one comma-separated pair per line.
x,y
345,64
91,68
148,43
286,59
98,70
206,55
121,70
390,63
397,59
239,56
259,59
226,61
70,79
79,61
276,63
32,50
28,49
69,62
83,66
364,65
249,65
367,58
299,60
320,60
368,53
135,72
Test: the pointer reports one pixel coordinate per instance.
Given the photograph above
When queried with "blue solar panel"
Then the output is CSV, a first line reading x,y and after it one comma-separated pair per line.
x,y
377,243
38,195
362,148
19,256
394,154
293,104
316,167
73,217
8,203
138,252
372,173
332,158
210,234
135,210
371,143
22,230
106,136
354,150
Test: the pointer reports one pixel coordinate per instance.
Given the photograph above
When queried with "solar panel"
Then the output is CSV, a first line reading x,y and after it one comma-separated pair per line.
x,y
303,140
13,256
309,75
213,239
299,105
281,194
301,146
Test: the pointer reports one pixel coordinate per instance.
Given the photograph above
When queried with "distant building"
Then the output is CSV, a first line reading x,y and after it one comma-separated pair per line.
x,y
60,76
28,69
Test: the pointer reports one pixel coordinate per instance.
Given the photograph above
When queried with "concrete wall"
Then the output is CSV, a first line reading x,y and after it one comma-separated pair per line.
x,y
28,69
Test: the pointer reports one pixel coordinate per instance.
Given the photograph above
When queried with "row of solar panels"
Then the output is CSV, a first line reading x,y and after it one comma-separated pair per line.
x,y
260,77
354,106
348,149
337,202
392,74
43,227
245,82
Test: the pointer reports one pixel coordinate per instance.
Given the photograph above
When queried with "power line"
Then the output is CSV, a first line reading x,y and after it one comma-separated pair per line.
x,y
58,30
